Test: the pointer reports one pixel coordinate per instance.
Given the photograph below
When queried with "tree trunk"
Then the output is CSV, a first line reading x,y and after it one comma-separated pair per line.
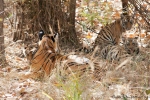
x,y
2,50
72,11
55,15
125,10
70,37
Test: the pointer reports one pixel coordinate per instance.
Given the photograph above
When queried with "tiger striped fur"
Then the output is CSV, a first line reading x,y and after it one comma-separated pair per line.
x,y
47,58
111,33
116,52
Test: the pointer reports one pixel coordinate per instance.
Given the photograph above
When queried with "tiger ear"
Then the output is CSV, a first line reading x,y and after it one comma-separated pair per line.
x,y
41,33
56,36
52,38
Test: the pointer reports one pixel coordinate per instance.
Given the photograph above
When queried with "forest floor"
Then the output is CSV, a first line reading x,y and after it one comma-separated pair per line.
x,y
117,82
12,85
127,80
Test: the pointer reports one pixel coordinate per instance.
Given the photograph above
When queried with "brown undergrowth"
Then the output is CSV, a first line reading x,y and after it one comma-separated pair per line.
x,y
125,80
114,81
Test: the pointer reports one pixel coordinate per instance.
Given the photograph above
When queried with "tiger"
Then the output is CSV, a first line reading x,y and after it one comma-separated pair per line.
x,y
47,58
114,53
111,33
117,52
31,49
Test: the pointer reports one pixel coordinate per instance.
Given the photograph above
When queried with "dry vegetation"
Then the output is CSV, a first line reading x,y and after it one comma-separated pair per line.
x,y
125,80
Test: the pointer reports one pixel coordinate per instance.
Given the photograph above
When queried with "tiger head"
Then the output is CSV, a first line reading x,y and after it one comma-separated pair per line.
x,y
127,22
49,42
46,42
131,45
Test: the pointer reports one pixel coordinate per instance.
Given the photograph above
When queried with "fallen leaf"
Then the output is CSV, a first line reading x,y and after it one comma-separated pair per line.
x,y
147,92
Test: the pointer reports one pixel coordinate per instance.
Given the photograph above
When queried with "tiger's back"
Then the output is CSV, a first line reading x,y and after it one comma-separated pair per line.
x,y
45,56
110,34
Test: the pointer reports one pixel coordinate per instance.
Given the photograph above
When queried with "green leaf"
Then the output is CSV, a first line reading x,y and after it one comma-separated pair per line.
x,y
147,92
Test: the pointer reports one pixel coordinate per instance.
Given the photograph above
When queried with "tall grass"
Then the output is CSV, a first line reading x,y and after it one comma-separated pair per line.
x,y
71,87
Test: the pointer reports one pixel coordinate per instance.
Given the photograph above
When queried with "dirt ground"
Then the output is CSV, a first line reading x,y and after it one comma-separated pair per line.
x,y
128,82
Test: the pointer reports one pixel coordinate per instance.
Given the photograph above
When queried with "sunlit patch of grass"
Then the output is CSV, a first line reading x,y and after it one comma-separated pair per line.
x,y
72,88
72,84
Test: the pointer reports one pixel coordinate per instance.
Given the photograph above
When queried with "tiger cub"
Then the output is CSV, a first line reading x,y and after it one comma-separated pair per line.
x,y
111,33
116,52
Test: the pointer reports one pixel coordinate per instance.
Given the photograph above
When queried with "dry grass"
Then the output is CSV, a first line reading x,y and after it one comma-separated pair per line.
x,y
127,80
